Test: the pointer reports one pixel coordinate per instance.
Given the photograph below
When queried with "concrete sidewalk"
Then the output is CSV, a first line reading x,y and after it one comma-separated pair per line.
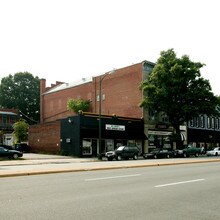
x,y
34,164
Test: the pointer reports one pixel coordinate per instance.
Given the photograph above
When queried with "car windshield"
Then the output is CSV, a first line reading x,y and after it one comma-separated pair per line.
x,y
120,148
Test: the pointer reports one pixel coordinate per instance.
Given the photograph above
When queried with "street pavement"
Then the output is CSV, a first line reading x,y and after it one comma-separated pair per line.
x,y
34,164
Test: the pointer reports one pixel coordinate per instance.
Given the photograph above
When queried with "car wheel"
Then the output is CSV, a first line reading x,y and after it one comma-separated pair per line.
x,y
184,155
135,157
196,154
15,156
119,157
155,156
168,156
216,154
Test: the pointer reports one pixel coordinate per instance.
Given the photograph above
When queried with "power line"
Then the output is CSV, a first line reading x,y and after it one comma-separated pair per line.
x,y
28,117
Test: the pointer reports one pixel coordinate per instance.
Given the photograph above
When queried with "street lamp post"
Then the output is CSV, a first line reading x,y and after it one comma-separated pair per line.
x,y
100,112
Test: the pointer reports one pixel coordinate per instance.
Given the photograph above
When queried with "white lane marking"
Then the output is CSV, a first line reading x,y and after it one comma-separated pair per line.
x,y
183,182
113,177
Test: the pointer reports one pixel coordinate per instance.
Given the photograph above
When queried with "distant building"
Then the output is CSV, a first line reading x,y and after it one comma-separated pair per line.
x,y
7,118
204,131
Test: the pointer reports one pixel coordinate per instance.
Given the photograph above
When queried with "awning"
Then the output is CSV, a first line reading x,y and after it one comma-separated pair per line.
x,y
183,136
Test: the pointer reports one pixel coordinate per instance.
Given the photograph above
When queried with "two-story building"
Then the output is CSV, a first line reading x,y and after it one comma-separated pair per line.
x,y
7,118
204,131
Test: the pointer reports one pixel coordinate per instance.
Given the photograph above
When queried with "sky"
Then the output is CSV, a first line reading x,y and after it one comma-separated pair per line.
x,y
66,40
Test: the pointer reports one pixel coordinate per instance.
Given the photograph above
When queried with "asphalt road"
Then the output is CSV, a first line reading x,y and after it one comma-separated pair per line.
x,y
168,192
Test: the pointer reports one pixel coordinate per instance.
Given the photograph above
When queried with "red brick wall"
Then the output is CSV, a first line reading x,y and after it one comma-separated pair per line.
x,y
121,90
122,93
45,137
55,104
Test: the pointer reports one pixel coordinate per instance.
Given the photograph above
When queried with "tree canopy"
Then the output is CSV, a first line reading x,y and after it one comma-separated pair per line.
x,y
176,88
20,131
21,91
77,105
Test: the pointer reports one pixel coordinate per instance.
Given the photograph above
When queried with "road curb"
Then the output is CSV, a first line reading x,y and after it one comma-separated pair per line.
x,y
67,170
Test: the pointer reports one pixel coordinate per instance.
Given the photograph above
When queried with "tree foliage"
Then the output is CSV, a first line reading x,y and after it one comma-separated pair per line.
x,y
176,87
20,131
76,105
22,92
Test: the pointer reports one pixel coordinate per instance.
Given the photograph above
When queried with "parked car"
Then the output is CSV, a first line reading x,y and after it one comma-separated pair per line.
x,y
214,152
159,153
10,153
124,152
7,146
188,151
22,147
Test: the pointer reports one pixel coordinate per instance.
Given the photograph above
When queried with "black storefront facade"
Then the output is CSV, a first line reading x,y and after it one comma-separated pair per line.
x,y
207,138
80,134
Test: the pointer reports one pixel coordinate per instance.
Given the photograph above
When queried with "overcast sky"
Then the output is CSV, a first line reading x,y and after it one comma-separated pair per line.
x,y
65,40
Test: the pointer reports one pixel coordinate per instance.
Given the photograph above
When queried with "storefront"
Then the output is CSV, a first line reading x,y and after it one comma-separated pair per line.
x,y
161,137
80,134
204,137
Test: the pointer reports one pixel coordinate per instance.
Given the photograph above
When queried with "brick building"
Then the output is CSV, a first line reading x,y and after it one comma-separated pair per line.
x,y
121,96
120,93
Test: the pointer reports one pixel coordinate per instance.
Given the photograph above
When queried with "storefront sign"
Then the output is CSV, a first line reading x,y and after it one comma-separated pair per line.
x,y
161,126
160,132
115,127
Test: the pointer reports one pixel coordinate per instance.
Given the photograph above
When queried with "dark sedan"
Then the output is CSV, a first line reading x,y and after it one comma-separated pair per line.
x,y
22,147
6,146
14,154
159,153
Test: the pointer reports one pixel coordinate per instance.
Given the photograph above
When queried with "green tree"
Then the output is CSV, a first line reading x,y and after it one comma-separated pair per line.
x,y
176,88
76,105
20,131
22,92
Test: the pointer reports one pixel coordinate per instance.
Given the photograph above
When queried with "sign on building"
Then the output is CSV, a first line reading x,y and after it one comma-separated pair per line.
x,y
115,127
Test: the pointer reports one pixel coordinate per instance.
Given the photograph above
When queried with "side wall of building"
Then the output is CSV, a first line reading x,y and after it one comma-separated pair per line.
x,y
55,103
120,95
120,92
45,137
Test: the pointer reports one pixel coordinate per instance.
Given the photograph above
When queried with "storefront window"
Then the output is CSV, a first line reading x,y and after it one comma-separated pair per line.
x,y
120,142
87,147
159,141
109,143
